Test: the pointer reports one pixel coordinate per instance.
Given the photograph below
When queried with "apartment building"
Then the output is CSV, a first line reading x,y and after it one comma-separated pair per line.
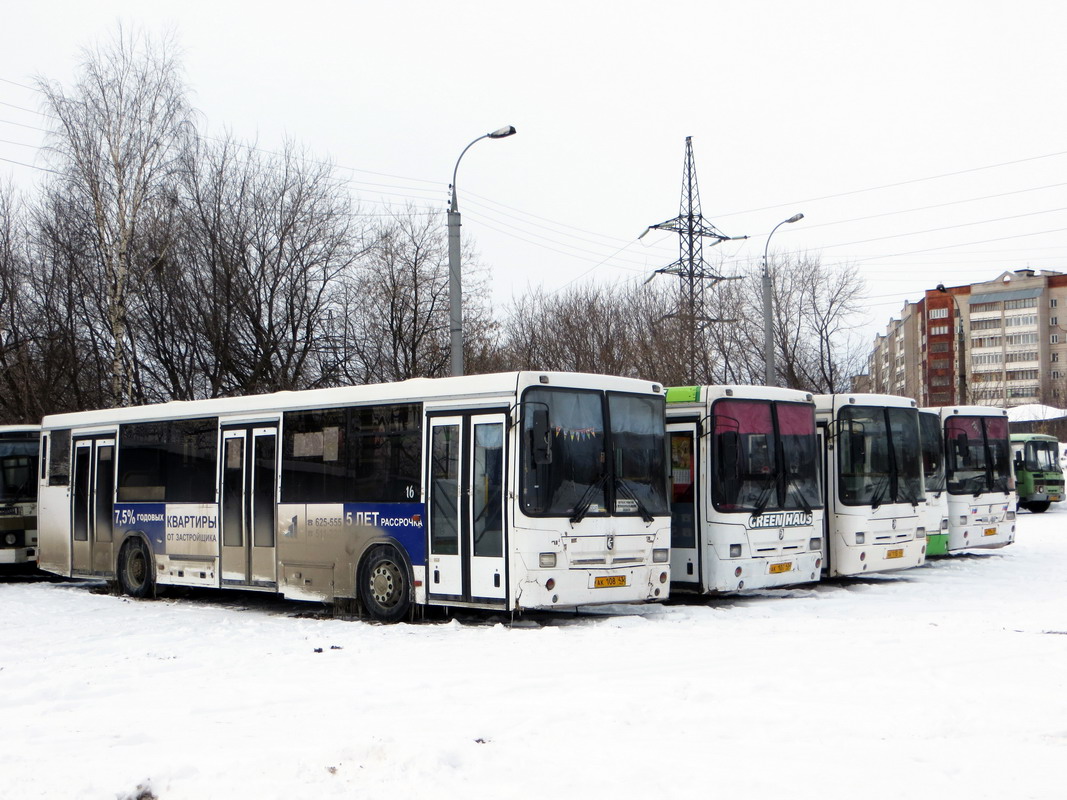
x,y
998,343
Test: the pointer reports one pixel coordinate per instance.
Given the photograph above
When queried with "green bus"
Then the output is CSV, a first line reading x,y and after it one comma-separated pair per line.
x,y
1038,477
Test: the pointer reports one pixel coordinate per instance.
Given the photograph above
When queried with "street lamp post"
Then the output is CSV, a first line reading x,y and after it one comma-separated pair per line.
x,y
961,359
768,306
455,285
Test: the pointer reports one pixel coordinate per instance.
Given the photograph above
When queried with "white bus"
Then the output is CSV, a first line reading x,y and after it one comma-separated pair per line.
x,y
872,463
745,500
981,488
513,491
19,447
936,518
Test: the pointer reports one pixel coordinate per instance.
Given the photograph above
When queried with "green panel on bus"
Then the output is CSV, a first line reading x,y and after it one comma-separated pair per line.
x,y
683,394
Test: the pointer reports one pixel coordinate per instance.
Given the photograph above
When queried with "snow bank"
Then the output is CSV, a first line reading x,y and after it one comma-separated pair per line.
x,y
947,680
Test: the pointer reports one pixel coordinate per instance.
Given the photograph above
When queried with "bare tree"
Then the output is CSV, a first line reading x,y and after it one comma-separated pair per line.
x,y
116,144
269,243
394,315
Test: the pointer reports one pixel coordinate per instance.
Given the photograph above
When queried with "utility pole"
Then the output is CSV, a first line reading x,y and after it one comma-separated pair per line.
x,y
690,266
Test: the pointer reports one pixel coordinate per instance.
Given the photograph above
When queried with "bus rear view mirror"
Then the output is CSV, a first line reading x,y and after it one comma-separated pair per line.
x,y
729,447
541,444
959,444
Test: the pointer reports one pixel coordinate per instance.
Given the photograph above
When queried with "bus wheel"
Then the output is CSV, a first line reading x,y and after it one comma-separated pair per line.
x,y
383,585
1038,507
135,569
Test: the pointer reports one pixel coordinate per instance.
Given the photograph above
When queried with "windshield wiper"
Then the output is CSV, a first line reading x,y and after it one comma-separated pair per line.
x,y
763,499
642,509
878,493
794,487
581,508
18,494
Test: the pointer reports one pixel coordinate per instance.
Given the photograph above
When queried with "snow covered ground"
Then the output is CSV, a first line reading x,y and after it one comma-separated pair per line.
x,y
947,681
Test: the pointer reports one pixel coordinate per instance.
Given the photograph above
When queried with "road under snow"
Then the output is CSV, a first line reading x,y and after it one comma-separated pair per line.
x,y
949,680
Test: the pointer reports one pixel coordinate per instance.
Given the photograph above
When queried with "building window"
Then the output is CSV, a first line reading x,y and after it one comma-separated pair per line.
x,y
1030,302
938,330
1016,322
978,308
937,313
1054,339
985,324
939,347
1053,302
1053,321
1055,357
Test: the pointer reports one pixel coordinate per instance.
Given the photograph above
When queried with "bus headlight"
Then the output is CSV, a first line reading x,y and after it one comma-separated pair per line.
x,y
660,555
10,538
546,560
861,538
815,544
1010,516
735,551
920,533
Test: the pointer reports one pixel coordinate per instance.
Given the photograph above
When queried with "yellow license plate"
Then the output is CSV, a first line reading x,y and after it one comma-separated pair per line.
x,y
990,532
894,553
609,581
785,566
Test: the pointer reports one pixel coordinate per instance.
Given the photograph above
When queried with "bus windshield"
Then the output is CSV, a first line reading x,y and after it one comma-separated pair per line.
x,y
978,453
879,457
18,470
933,452
1042,457
566,467
764,457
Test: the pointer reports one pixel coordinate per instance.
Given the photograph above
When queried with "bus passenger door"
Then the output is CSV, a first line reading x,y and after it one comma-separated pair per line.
x,y
685,503
444,570
486,529
248,505
466,510
92,499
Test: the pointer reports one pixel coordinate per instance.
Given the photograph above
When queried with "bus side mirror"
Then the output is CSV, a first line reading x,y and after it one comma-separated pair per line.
x,y
729,447
960,446
541,444
857,447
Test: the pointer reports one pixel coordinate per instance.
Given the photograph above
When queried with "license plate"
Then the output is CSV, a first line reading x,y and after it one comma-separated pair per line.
x,y
785,566
1055,498
899,553
609,581
990,532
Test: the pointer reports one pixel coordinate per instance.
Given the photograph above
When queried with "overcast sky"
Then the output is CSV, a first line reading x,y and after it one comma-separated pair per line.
x,y
923,141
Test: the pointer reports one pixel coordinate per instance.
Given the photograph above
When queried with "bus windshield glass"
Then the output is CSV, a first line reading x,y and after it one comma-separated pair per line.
x,y
764,457
566,468
1042,457
639,450
18,470
933,452
978,455
878,455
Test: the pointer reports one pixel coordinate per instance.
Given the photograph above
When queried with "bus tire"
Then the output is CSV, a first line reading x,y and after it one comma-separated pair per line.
x,y
136,575
1037,507
384,586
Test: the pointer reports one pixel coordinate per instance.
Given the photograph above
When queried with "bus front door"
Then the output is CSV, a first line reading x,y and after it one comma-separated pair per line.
x,y
249,484
685,505
466,509
92,499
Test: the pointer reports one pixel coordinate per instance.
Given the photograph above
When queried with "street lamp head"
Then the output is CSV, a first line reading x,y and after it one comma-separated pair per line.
x,y
795,218
941,288
500,133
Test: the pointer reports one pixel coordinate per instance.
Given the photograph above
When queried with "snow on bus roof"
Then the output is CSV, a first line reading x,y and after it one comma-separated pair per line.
x,y
1035,412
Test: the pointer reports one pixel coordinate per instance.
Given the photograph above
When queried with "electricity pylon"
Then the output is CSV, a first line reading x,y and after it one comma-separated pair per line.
x,y
690,267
